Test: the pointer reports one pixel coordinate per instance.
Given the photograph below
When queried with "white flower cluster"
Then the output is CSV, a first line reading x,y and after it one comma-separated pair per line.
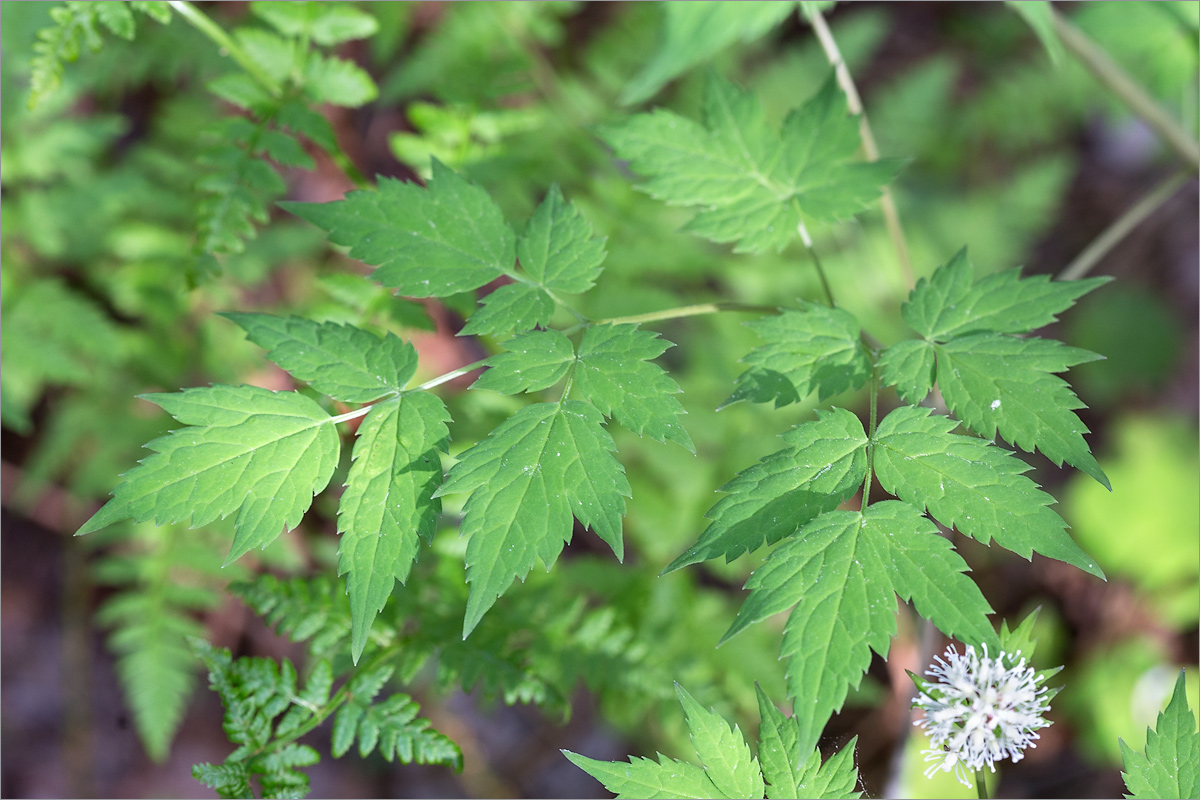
x,y
980,711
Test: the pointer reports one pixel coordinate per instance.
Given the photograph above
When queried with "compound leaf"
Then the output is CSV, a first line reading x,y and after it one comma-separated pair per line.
x,y
1169,767
393,727
843,570
436,241
388,505
722,751
557,248
615,374
344,362
952,303
515,307
754,186
823,464
543,464
265,453
816,348
536,360
970,484
647,779
999,383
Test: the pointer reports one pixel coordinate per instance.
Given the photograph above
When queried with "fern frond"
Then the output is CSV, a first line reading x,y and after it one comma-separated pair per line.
x,y
75,27
166,576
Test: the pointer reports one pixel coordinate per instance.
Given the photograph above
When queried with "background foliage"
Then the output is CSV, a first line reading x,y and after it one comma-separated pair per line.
x,y
139,192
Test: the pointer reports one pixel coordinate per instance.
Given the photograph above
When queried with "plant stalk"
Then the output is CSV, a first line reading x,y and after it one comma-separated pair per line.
x,y
887,203
1121,227
688,311
201,22
1117,80
981,785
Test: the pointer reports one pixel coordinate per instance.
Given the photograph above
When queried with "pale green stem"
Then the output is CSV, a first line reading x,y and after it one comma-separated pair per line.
x,y
866,491
429,384
981,785
687,311
821,274
1118,81
449,376
200,21
1120,228
887,203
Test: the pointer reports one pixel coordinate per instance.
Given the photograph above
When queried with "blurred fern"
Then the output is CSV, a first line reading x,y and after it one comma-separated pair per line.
x,y
76,26
165,575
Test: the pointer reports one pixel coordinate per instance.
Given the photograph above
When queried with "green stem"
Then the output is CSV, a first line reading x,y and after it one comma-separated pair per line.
x,y
339,697
687,311
866,491
821,274
1120,228
887,203
429,384
449,376
981,785
1117,80
201,22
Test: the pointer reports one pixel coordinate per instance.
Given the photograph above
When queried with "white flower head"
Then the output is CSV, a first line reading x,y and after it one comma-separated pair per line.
x,y
980,710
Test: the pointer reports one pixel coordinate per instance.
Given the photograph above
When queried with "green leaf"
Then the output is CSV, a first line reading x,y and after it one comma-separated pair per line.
x,y
970,484
824,463
534,361
816,348
615,375
265,453
393,727
694,32
388,505
227,780
117,18
337,81
909,366
515,307
778,749
837,777
325,23
952,303
543,464
841,572
1170,766
723,752
447,238
999,383
157,10
646,779
557,248
275,55
344,362
1039,15
790,774
753,186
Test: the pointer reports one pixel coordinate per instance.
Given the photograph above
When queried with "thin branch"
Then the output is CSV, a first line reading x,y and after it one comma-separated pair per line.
x,y
689,311
887,203
1120,228
201,22
1117,80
